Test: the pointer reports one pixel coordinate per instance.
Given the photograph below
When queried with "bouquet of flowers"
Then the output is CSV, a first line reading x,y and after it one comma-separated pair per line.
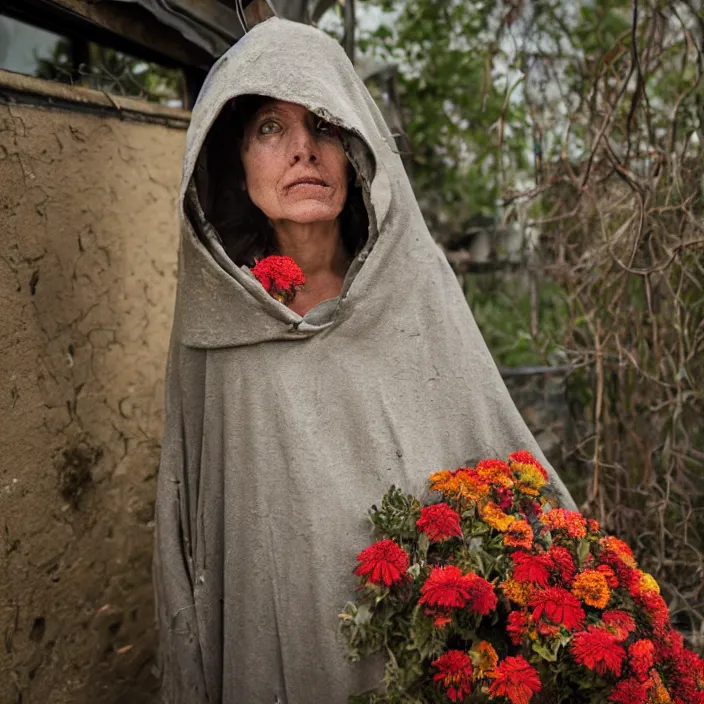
x,y
497,594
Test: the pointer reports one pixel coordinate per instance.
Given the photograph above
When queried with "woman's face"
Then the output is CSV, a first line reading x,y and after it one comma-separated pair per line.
x,y
294,163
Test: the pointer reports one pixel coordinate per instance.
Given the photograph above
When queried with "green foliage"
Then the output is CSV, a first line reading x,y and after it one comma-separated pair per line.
x,y
112,71
455,113
501,304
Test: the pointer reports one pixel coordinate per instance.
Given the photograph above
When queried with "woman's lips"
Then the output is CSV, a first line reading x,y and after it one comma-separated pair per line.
x,y
315,182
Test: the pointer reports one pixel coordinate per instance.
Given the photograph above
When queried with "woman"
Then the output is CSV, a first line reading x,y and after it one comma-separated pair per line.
x,y
285,423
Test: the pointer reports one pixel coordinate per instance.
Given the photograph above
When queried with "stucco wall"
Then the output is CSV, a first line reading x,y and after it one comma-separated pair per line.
x,y
88,240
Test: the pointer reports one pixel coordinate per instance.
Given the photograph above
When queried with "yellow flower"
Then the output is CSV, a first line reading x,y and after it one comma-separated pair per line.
x,y
518,592
495,517
591,586
648,583
530,473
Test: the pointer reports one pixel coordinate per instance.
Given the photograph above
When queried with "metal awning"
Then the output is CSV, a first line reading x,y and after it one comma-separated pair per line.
x,y
188,33
209,24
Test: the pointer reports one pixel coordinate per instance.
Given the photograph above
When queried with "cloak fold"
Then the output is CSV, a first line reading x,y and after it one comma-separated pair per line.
x,y
282,431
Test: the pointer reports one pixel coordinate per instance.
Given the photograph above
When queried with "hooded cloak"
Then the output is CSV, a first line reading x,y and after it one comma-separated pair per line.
x,y
281,430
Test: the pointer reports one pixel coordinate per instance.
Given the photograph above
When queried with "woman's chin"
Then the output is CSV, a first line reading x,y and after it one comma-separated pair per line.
x,y
307,212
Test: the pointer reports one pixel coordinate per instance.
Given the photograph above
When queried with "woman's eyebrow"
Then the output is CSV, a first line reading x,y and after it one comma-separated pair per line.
x,y
269,110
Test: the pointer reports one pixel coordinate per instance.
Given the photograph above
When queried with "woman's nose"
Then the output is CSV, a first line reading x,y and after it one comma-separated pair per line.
x,y
303,146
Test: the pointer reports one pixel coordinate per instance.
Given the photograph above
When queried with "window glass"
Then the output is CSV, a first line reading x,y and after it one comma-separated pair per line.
x,y
36,52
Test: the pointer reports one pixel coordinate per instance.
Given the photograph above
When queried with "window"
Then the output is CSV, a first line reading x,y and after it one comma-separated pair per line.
x,y
36,52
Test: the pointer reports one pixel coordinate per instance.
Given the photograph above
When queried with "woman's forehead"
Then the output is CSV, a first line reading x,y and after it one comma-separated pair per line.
x,y
283,107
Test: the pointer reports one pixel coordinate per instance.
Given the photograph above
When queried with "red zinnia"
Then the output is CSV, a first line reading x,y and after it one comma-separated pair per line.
x,y
619,623
531,568
439,522
482,598
455,674
549,630
447,588
383,563
562,562
657,610
515,679
504,498
559,606
629,691
279,276
598,650
641,656
611,578
517,626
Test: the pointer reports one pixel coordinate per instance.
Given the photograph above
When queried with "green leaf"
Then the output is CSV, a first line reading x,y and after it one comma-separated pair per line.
x,y
582,551
363,615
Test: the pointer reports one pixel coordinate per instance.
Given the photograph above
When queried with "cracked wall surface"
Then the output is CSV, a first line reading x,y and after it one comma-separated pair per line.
x,y
88,247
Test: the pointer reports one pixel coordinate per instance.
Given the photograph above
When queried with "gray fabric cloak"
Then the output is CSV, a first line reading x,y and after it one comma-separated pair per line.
x,y
282,431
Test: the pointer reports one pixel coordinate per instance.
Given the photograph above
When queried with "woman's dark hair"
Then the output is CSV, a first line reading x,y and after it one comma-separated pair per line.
x,y
243,228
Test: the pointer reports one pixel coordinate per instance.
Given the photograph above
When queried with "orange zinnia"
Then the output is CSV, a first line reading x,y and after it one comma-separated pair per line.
x,y
484,659
470,485
492,515
591,586
495,472
519,535
615,546
564,521
444,481
518,592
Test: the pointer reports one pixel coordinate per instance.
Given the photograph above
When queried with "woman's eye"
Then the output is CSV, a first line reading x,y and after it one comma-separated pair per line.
x,y
268,127
325,127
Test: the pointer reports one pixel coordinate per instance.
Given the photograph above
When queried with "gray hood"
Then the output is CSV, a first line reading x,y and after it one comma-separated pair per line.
x,y
220,305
